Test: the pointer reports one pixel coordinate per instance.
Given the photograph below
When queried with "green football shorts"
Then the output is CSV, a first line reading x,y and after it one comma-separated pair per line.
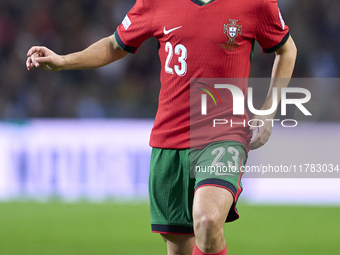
x,y
176,174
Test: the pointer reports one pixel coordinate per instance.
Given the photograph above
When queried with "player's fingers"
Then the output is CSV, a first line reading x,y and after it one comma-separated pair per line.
x,y
31,62
255,143
35,49
31,51
28,63
260,139
34,59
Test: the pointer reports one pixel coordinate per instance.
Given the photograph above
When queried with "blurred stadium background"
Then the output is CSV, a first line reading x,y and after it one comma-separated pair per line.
x,y
74,149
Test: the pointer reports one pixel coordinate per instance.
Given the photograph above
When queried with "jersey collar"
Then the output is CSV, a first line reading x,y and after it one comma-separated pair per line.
x,y
200,2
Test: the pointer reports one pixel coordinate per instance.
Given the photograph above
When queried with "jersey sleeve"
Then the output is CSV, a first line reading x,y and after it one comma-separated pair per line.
x,y
271,32
136,27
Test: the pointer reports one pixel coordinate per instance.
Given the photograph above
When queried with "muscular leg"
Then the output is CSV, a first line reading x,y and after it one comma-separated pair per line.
x,y
210,210
179,244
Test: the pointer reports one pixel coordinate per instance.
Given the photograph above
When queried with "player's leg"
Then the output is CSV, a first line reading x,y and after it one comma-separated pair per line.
x,y
171,192
210,210
218,186
179,244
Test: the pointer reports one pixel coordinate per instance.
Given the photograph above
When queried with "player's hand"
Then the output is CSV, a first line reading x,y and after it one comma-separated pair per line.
x,y
44,58
263,133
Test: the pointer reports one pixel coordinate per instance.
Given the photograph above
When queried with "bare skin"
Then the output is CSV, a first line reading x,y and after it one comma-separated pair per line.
x,y
97,55
210,210
282,72
179,244
209,214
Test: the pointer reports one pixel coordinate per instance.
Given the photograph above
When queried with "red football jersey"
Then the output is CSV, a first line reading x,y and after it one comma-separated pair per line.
x,y
198,40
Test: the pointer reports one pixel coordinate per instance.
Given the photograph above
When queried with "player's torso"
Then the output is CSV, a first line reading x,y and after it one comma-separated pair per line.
x,y
213,40
210,41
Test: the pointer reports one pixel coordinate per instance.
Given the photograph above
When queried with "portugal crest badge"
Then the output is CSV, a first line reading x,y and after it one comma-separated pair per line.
x,y
232,30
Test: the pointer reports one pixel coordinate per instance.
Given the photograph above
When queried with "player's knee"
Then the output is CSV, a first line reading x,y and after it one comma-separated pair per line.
x,y
208,230
207,223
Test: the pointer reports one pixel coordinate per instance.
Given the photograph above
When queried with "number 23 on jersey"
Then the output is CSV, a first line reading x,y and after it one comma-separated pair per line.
x,y
181,53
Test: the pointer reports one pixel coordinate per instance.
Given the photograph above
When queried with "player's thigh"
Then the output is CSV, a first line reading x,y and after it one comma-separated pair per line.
x,y
211,206
218,172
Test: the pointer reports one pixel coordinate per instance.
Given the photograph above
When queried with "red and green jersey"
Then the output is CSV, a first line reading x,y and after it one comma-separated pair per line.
x,y
198,40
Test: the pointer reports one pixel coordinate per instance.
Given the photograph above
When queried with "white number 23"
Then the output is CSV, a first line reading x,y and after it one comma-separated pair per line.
x,y
182,54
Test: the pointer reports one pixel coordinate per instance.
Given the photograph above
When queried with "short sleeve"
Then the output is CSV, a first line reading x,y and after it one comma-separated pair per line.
x,y
271,32
136,27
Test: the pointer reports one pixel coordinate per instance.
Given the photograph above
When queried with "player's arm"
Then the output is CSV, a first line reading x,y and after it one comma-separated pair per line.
x,y
282,72
101,53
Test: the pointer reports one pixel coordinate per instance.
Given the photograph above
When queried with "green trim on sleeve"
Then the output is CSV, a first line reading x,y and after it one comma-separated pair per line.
x,y
278,46
114,35
121,45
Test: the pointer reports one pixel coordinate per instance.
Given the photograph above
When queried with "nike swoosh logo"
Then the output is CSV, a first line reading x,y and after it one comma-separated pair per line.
x,y
170,30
